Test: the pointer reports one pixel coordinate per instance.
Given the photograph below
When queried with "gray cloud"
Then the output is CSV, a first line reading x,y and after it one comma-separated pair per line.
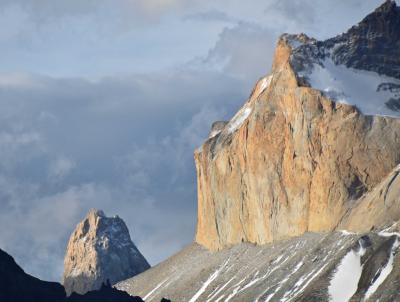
x,y
294,11
45,10
245,50
211,16
123,144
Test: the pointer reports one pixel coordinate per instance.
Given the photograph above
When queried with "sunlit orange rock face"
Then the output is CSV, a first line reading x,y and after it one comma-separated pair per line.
x,y
289,162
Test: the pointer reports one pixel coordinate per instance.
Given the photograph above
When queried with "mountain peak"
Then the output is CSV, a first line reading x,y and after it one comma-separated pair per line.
x,y
100,250
385,16
359,67
96,213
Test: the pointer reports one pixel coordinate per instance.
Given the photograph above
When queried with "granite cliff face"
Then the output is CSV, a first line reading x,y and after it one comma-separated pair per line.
x,y
299,153
100,250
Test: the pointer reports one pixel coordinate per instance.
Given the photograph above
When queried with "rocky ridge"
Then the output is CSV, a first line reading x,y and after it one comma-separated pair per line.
x,y
100,250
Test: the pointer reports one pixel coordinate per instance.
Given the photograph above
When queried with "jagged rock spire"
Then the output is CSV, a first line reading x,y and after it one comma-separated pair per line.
x,y
100,250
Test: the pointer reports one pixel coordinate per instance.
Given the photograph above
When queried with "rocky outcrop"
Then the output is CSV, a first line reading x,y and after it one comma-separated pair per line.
x,y
377,208
293,160
106,293
216,128
100,250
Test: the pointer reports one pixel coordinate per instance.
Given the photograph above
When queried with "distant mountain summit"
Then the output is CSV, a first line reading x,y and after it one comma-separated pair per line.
x,y
100,250
359,67
371,45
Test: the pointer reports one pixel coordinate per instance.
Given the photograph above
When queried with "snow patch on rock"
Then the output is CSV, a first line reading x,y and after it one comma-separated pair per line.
x,y
155,289
372,93
345,280
239,118
212,277
265,82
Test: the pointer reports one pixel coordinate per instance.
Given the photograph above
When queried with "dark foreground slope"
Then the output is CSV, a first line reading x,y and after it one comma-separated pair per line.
x,y
17,286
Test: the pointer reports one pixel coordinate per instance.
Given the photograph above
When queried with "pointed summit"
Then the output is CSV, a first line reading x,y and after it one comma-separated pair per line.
x,y
100,250
387,6
385,16
373,44
96,212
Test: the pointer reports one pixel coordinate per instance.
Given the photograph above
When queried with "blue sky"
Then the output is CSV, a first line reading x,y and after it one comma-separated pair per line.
x,y
104,101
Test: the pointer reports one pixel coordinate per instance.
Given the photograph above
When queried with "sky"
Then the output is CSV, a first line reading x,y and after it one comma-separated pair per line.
x,y
104,101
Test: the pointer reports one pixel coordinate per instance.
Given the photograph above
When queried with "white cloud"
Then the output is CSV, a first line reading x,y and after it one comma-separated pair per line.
x,y
245,50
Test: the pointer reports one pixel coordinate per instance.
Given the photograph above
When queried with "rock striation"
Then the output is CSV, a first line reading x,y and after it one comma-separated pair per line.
x,y
337,266
294,159
100,250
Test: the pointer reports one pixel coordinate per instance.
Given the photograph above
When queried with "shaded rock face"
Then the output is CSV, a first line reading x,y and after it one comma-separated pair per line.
x,y
104,294
17,286
100,250
379,207
371,45
292,160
